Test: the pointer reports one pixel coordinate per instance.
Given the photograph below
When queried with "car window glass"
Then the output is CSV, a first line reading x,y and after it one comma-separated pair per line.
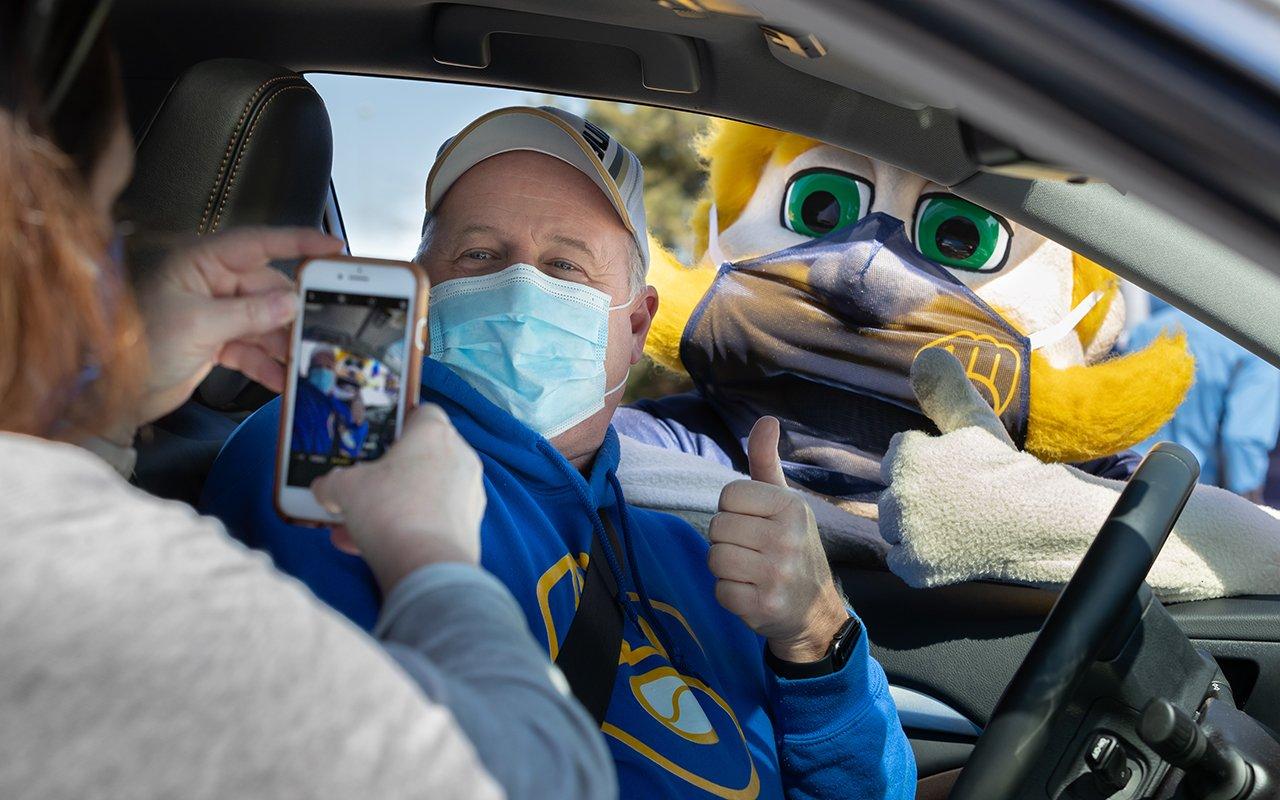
x,y
386,132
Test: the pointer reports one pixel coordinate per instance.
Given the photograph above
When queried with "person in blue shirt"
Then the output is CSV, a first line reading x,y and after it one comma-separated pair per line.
x,y
742,673
314,407
323,423
351,425
1231,415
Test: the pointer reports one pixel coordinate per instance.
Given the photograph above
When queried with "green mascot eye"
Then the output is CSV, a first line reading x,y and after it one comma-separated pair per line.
x,y
819,201
956,233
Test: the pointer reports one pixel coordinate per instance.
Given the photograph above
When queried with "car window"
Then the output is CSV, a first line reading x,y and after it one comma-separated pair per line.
x,y
386,132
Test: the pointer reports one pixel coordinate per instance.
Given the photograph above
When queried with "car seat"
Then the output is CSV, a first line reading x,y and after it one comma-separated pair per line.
x,y
235,142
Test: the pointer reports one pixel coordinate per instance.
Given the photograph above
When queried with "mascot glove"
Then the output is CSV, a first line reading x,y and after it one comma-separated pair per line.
x,y
967,505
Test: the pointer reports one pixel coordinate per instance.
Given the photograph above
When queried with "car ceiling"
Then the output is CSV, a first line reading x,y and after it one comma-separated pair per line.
x,y
716,57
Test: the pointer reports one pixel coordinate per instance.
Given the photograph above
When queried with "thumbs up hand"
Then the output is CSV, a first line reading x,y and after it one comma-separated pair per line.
x,y
968,505
767,558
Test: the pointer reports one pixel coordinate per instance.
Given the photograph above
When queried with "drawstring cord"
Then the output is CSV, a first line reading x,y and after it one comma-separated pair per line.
x,y
597,526
660,629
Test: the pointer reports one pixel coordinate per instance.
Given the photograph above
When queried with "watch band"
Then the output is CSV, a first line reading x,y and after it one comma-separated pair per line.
x,y
836,657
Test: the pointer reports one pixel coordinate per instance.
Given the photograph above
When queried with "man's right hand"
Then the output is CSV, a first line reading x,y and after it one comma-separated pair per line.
x,y
420,504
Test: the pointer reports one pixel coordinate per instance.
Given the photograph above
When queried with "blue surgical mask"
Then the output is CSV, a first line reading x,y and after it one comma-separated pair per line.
x,y
322,378
532,344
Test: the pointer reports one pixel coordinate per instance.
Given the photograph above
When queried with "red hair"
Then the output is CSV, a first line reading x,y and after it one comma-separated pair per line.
x,y
72,354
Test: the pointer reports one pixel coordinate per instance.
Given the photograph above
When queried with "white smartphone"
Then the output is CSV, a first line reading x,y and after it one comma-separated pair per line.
x,y
355,361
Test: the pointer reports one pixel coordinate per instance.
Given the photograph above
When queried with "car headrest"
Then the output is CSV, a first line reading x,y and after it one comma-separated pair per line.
x,y
235,142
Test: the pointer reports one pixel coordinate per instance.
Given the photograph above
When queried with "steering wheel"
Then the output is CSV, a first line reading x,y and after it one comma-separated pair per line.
x,y
1107,580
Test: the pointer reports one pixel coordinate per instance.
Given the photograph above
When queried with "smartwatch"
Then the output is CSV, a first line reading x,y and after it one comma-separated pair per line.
x,y
837,656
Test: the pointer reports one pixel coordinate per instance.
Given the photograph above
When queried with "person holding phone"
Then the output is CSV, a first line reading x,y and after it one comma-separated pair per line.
x,y
145,653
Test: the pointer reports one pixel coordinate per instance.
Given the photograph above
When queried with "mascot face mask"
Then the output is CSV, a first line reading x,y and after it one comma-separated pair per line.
x,y
822,334
775,191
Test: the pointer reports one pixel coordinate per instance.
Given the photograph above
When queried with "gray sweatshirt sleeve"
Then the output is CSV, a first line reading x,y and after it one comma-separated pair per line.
x,y
459,633
146,655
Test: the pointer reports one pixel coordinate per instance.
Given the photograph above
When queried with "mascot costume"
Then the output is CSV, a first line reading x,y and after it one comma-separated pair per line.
x,y
943,377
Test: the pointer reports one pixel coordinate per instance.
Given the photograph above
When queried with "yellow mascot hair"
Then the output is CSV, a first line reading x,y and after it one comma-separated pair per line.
x,y
736,155
1088,411
680,289
1076,414
1086,278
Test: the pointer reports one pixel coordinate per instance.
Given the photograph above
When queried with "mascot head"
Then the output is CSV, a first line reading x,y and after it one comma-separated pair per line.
x,y
769,191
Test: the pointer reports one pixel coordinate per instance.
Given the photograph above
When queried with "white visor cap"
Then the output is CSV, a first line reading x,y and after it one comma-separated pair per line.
x,y
553,132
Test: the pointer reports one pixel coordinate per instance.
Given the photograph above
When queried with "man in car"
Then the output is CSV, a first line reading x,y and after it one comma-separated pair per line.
x,y
316,409
740,672
324,422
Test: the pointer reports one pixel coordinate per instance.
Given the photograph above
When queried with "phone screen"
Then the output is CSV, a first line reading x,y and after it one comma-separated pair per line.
x,y
350,373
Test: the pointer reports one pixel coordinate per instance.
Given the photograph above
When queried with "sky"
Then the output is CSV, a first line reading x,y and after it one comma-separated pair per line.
x,y
386,132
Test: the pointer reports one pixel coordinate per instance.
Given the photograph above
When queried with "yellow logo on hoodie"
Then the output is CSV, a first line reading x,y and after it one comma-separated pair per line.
x,y
681,704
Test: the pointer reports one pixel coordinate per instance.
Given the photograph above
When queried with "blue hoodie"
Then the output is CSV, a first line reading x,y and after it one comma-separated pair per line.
x,y
695,712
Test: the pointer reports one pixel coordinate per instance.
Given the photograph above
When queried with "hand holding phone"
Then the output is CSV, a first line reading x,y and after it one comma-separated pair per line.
x,y
354,364
220,302
420,504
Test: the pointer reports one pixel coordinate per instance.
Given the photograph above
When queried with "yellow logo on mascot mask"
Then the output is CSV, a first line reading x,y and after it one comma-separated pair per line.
x,y
993,366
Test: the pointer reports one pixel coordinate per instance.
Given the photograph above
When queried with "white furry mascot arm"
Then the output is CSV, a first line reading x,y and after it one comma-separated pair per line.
x,y
967,505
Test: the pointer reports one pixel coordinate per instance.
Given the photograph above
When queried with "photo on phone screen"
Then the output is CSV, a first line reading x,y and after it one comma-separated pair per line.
x,y
350,370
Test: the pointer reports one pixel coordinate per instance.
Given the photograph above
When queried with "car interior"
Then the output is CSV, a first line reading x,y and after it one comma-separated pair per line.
x,y
203,127
1058,117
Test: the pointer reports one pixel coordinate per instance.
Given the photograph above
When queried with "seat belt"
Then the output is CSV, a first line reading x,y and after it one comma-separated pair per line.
x,y
588,656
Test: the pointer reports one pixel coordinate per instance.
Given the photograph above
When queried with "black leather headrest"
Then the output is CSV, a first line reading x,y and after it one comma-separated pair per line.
x,y
234,143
